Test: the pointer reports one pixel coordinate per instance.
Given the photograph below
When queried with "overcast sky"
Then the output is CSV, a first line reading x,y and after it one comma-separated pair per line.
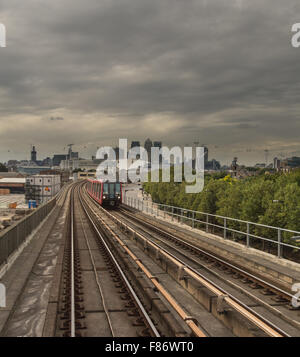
x,y
218,72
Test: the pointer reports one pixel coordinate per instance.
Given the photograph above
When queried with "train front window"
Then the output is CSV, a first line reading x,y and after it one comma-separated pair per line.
x,y
112,189
118,188
105,189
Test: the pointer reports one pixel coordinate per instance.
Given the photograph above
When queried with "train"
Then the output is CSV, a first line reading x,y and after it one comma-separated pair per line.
x,y
107,194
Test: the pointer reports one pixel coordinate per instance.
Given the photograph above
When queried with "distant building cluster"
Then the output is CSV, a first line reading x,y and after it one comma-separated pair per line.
x,y
286,165
212,165
71,164
147,146
35,166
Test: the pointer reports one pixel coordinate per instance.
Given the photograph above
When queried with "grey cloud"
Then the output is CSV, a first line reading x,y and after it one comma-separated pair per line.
x,y
56,118
225,70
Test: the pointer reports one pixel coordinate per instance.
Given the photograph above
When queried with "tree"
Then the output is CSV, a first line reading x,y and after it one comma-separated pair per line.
x,y
208,198
256,197
229,203
3,168
272,199
292,206
283,211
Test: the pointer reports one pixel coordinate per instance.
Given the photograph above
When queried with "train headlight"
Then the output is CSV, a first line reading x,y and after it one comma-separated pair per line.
x,y
119,197
104,197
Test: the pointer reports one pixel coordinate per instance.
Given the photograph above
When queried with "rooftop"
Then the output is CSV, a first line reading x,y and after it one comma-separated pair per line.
x,y
13,180
10,174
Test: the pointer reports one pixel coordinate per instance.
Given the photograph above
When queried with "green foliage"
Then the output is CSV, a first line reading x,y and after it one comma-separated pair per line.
x,y
3,168
271,199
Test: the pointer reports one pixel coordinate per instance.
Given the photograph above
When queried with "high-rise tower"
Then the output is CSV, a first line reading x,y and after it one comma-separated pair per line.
x,y
148,146
33,154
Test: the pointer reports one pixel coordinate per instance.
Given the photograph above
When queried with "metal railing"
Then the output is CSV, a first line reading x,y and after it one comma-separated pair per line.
x,y
255,235
14,236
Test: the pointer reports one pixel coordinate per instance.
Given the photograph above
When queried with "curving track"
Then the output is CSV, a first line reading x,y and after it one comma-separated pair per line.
x,y
97,299
263,315
120,274
276,302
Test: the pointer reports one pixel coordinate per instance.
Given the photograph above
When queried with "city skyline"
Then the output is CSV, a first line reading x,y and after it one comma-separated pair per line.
x,y
46,160
222,73
150,172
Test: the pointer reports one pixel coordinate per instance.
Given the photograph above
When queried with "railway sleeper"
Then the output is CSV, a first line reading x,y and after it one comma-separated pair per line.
x,y
161,315
138,322
267,292
79,298
123,290
79,314
236,276
254,285
129,304
279,298
144,333
133,312
231,319
125,296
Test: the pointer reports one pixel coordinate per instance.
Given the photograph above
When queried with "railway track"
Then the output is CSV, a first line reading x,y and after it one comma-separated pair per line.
x,y
279,294
186,320
141,230
97,299
114,277
274,296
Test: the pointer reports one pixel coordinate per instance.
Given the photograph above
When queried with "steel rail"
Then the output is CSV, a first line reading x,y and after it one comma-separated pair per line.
x,y
73,322
141,223
120,271
96,275
190,321
265,325
261,322
251,277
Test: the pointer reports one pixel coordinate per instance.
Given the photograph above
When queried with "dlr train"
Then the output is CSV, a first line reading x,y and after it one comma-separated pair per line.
x,y
105,193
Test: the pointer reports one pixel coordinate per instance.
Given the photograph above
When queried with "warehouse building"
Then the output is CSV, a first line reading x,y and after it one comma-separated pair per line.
x,y
13,184
32,170
41,188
